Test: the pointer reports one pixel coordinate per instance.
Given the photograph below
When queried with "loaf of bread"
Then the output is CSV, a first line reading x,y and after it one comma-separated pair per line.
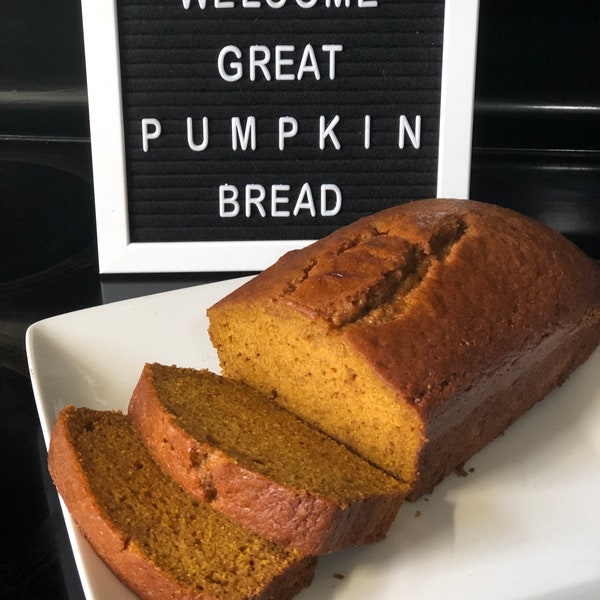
x,y
417,335
159,540
259,464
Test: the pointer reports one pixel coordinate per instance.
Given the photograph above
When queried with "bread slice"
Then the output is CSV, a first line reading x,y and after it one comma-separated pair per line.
x,y
417,335
156,538
259,464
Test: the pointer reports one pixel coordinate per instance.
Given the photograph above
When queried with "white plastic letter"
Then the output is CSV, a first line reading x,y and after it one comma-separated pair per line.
x,y
332,49
228,195
280,62
288,128
414,135
235,65
337,193
308,56
244,136
201,4
305,201
190,135
150,135
327,131
260,62
255,194
276,200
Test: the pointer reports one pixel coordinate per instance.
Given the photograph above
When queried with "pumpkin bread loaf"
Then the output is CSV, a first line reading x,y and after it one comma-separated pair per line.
x,y
159,540
416,335
259,464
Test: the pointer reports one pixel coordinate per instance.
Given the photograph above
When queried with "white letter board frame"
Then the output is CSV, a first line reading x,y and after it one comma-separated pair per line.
x,y
117,254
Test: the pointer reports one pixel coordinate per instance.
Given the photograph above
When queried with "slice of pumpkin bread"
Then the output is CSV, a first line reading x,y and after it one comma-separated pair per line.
x,y
159,540
259,464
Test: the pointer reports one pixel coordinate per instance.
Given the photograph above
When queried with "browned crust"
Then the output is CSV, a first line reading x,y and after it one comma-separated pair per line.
x,y
309,523
505,287
123,558
499,407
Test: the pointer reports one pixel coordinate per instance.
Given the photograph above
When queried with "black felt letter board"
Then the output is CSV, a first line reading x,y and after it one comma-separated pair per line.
x,y
274,119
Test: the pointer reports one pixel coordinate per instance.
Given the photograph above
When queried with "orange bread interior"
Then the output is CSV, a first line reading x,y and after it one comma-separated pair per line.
x,y
236,419
157,538
259,463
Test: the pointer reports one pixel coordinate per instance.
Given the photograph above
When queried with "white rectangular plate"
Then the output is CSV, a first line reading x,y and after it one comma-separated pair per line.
x,y
524,524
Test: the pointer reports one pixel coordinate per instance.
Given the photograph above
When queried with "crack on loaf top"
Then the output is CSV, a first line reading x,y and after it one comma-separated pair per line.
x,y
369,276
346,245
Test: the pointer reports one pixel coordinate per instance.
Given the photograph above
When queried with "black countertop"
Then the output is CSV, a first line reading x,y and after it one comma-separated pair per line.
x,y
535,148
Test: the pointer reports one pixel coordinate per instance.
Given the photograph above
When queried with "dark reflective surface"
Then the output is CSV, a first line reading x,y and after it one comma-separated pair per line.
x,y
535,149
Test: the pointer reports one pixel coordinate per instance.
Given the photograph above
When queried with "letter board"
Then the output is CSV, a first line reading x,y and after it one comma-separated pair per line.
x,y
226,132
